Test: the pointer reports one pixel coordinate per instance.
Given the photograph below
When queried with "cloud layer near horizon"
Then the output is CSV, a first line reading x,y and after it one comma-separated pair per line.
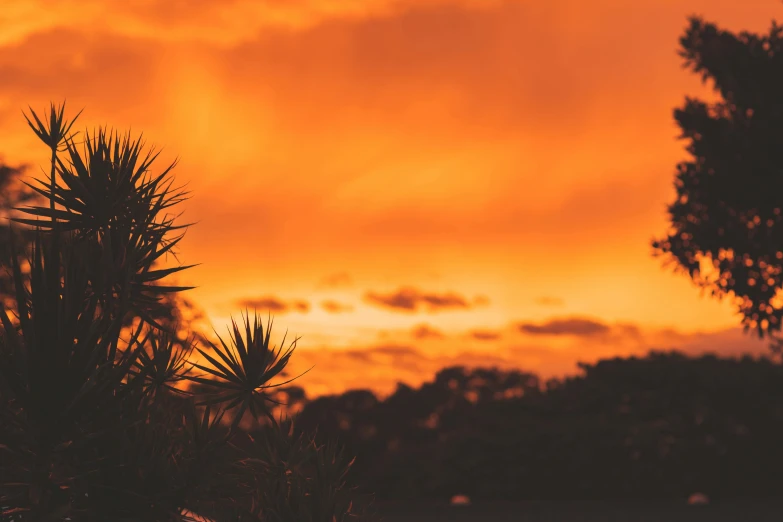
x,y
380,366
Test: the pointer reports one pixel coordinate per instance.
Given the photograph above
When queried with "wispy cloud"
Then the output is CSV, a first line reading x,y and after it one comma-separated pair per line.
x,y
425,331
481,300
337,280
274,304
550,301
409,299
224,22
485,335
576,326
335,307
388,355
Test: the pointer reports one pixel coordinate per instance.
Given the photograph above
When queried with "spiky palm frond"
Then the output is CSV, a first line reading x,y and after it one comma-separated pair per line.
x,y
138,473
107,193
162,362
298,479
215,477
52,136
58,129
204,430
63,341
107,182
243,370
59,382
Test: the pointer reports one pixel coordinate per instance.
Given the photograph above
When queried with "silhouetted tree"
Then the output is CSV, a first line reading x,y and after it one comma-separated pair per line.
x,y
726,224
665,425
93,424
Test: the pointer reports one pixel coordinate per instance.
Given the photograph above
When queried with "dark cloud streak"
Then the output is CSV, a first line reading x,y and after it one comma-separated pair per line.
x,y
337,280
274,304
334,307
409,299
549,301
575,326
425,331
485,335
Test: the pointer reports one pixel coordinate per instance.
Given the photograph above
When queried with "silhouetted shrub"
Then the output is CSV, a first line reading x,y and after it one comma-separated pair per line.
x,y
94,424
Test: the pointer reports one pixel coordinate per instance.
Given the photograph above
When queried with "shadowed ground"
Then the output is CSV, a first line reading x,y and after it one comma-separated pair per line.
x,y
746,511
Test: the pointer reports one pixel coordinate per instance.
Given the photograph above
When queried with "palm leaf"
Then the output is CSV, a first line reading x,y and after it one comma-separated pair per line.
x,y
245,366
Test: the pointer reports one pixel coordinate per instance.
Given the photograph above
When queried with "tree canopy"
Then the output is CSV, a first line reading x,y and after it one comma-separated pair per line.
x,y
726,228
658,427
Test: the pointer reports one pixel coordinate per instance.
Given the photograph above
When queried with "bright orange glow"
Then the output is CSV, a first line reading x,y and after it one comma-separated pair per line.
x,y
509,161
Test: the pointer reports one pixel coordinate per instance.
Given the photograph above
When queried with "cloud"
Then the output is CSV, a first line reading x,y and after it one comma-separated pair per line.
x,y
385,355
357,355
549,301
485,335
481,300
274,304
424,331
409,299
397,350
632,331
334,307
61,64
337,280
221,22
575,326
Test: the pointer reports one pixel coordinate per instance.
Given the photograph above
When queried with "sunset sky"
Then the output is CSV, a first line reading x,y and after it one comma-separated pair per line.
x,y
408,183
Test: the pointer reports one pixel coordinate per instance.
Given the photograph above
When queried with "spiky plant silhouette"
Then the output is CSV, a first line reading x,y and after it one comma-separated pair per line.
x,y
95,424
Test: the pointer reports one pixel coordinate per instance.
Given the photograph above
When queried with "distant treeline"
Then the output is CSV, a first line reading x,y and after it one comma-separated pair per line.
x,y
663,426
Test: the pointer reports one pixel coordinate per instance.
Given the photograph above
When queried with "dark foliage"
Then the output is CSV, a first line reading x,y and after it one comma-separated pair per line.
x,y
95,424
726,223
663,426
13,193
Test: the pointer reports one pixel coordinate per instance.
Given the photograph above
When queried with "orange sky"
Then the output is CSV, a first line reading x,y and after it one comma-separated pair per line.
x,y
462,181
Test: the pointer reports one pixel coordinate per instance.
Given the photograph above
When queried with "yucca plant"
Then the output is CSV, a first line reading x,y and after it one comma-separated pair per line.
x,y
96,423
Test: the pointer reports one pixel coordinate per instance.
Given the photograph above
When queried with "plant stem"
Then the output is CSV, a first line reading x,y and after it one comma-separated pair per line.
x,y
52,176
